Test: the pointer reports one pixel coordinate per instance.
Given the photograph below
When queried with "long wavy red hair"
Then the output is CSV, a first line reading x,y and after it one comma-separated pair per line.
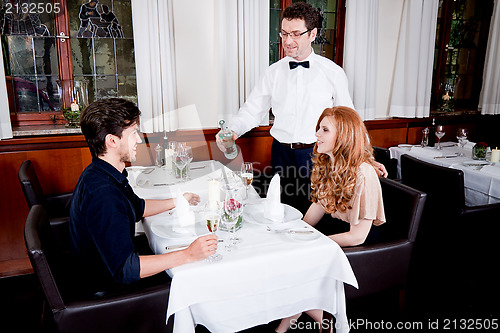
x,y
333,180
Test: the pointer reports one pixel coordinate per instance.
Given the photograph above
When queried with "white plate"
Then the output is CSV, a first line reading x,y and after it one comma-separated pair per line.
x,y
303,237
254,213
405,146
477,163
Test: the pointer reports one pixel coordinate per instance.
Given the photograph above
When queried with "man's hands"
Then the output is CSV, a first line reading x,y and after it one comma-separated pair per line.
x,y
202,247
192,198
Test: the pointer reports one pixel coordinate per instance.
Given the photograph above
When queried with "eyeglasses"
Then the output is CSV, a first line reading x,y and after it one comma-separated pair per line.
x,y
292,35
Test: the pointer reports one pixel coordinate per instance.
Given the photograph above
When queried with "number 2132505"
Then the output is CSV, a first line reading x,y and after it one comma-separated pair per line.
x,y
32,8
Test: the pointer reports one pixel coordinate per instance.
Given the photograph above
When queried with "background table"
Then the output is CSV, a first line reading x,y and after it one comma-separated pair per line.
x,y
482,185
269,276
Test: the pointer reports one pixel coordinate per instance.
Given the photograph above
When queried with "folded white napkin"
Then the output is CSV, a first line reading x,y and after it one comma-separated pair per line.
x,y
136,177
184,217
273,208
427,151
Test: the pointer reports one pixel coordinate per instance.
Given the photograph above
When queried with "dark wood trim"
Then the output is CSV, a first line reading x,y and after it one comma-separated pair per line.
x,y
340,33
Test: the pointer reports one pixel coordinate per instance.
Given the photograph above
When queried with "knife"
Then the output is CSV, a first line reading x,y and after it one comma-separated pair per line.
x,y
447,156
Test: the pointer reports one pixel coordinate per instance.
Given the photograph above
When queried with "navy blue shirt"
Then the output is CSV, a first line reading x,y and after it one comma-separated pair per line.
x,y
104,210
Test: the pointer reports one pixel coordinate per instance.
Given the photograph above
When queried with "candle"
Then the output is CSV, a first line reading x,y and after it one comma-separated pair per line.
x,y
169,153
495,155
74,106
213,193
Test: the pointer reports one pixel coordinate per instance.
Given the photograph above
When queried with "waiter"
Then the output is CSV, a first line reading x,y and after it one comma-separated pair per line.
x,y
297,88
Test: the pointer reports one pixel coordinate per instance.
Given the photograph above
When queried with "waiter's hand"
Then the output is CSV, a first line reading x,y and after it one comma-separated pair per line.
x,y
219,141
382,171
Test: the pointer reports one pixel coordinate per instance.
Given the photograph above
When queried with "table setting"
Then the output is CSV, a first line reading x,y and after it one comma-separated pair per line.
x,y
273,265
479,163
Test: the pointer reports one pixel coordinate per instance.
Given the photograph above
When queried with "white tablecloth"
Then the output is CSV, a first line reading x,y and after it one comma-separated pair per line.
x,y
269,276
482,185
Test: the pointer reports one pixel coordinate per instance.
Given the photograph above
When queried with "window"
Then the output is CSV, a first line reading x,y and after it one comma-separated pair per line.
x,y
461,40
330,39
50,46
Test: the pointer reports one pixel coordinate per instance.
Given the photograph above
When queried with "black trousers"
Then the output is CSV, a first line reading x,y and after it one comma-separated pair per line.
x,y
294,167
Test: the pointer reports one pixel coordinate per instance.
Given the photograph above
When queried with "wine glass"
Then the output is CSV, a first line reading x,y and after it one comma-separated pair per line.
x,y
233,208
180,159
213,220
247,176
189,155
439,133
462,139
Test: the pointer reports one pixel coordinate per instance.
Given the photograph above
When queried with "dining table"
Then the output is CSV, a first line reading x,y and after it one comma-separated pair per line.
x,y
481,177
274,273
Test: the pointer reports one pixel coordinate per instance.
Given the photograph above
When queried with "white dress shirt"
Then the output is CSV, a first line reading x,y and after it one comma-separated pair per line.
x,y
297,98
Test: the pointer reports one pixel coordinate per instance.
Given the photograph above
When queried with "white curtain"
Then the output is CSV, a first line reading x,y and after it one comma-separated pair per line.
x,y
489,100
154,47
360,54
243,52
411,85
5,126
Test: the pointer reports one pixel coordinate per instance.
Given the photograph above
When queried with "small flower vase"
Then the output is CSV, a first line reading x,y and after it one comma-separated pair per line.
x,y
72,116
479,151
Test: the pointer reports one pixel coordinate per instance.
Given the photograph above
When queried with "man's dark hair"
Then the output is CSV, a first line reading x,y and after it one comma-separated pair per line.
x,y
107,116
304,11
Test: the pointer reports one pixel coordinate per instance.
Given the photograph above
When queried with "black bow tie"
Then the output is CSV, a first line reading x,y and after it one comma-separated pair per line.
x,y
294,64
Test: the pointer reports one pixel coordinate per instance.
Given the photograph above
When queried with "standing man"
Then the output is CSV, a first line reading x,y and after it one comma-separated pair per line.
x,y
104,208
297,88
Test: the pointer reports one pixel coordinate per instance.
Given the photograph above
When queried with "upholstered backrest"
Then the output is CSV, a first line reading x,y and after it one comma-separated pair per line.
x,y
31,186
403,207
36,235
384,265
383,155
444,186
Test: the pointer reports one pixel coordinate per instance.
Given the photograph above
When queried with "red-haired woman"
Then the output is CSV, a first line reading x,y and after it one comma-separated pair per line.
x,y
344,182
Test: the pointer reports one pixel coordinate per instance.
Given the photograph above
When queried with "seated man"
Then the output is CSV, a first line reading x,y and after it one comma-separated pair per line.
x,y
104,207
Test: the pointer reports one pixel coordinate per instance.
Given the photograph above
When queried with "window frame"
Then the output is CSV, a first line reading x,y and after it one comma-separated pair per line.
x,y
441,55
340,29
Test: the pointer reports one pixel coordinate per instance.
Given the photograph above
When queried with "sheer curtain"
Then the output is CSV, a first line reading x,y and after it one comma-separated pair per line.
x,y
5,126
243,50
154,47
489,100
360,54
411,85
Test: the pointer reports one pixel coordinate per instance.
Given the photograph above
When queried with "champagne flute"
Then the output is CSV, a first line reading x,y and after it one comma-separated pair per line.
x,y
180,159
439,133
233,208
213,220
462,139
247,176
189,155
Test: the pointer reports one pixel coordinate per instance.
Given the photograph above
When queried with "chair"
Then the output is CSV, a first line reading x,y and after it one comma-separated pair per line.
x,y
57,206
452,237
140,307
384,265
383,155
